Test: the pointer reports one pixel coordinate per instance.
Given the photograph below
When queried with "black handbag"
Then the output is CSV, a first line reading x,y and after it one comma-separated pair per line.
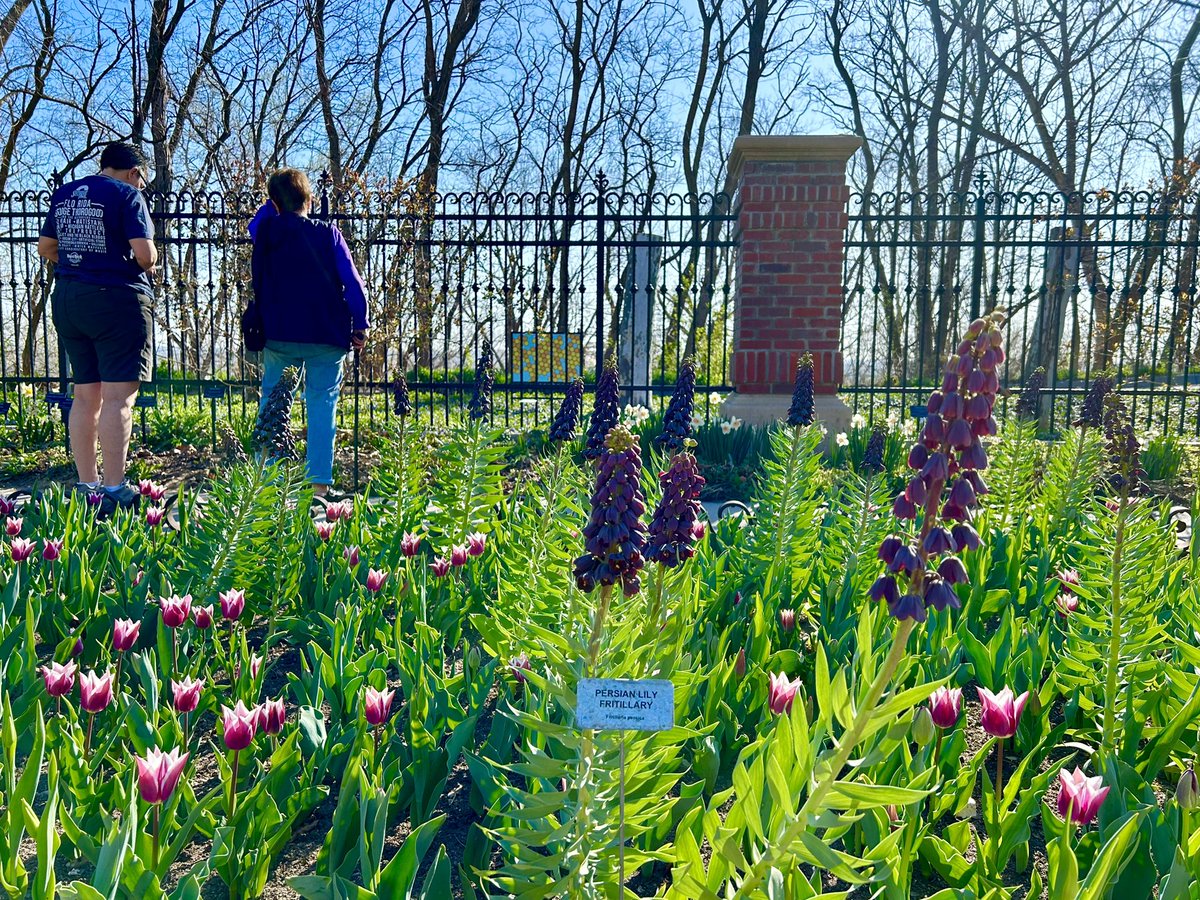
x,y
254,333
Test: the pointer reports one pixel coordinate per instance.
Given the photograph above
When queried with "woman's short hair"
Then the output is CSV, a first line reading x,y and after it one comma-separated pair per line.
x,y
290,190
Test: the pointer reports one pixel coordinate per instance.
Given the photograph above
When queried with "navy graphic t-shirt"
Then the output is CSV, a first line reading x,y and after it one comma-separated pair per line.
x,y
93,220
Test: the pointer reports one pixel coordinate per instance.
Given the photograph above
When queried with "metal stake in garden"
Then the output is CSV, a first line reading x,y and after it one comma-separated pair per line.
x,y
619,704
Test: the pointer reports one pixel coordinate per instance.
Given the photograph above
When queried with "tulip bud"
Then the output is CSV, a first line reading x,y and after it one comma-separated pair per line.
x,y
923,730
1187,793
739,665
474,658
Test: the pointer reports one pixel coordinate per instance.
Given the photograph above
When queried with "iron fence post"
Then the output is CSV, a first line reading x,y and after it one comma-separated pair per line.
x,y
601,187
977,261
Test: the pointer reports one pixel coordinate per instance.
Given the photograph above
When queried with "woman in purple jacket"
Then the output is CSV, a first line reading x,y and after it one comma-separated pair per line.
x,y
314,308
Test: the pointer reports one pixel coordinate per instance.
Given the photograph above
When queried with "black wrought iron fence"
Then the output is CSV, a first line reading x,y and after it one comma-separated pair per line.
x,y
1092,281
554,281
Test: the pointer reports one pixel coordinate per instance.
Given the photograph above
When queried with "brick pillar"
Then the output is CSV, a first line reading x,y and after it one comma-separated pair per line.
x,y
792,194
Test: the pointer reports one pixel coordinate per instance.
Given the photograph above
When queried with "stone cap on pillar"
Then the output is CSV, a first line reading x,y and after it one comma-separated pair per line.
x,y
836,148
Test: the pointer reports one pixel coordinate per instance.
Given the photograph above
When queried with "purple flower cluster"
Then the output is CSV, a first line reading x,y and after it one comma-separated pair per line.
x,y
605,412
480,406
677,424
948,459
873,456
673,529
567,418
1030,401
615,536
1091,414
1124,449
801,411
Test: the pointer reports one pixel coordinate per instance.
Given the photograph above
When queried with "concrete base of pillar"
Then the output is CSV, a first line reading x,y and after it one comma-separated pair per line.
x,y
764,409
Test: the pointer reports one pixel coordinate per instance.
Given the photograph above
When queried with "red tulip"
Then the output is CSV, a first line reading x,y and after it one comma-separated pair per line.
x,y
475,543
145,486
440,566
20,549
945,706
186,694
375,580
125,634
202,616
240,725
175,609
12,526
51,550
1001,712
378,705
95,691
1080,796
233,602
781,693
409,544
158,774
59,678
272,714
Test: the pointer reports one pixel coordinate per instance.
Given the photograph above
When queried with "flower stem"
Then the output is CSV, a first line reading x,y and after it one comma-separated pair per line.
x,y
758,873
87,741
997,800
782,516
1114,641
551,491
155,856
233,786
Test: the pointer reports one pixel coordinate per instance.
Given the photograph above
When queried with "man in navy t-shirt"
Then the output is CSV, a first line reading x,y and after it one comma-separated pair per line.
x,y
101,240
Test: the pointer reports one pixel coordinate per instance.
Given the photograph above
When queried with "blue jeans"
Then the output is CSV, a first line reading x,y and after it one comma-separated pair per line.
x,y
322,364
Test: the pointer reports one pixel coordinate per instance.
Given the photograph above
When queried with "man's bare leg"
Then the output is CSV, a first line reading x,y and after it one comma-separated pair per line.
x,y
84,421
116,423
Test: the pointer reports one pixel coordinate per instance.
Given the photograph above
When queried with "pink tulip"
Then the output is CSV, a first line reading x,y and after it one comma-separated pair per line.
x,y
51,550
341,510
20,549
699,529
1068,578
95,498
158,774
1001,712
77,647
440,567
154,516
519,665
945,706
325,529
233,602
240,725
12,526
95,691
781,693
351,556
409,544
459,555
378,705
787,619
1067,603
59,678
739,664
271,716
256,662
137,578
125,634
475,543
375,580
1080,796
157,493
202,616
175,609
7,507
186,694
145,486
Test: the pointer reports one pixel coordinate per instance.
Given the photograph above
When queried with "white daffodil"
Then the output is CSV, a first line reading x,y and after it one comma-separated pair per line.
x,y
726,427
735,423
697,421
858,421
841,440
715,399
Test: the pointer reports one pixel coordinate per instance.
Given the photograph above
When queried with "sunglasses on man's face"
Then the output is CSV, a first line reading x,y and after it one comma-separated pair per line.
x,y
140,176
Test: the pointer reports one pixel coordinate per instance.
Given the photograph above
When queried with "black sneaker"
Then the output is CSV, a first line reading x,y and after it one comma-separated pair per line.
x,y
124,497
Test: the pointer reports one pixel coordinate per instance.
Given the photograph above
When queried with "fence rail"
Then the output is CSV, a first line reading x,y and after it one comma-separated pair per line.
x,y
1092,281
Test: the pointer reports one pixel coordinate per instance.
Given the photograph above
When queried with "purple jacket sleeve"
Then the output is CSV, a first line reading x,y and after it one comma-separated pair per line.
x,y
264,212
356,292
